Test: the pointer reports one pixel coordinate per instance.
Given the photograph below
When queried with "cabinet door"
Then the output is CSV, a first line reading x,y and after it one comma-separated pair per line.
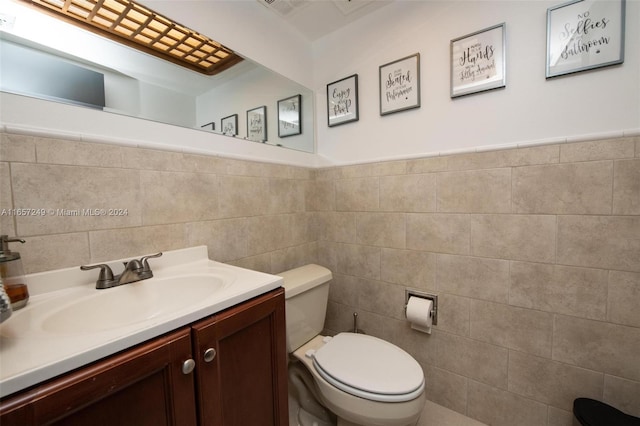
x,y
141,386
245,383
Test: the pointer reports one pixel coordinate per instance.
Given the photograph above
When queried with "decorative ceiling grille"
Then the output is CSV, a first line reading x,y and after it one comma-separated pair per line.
x,y
140,27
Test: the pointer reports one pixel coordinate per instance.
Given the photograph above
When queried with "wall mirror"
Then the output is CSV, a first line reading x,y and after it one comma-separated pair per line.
x,y
39,54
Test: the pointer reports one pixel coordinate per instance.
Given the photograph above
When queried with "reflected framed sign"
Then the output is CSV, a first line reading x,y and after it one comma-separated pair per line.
x,y
229,125
289,123
257,124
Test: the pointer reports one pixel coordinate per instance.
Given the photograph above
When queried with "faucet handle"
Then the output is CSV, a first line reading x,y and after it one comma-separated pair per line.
x,y
106,274
146,271
145,263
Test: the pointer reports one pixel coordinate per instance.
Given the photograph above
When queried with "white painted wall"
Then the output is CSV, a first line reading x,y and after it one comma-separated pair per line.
x,y
529,109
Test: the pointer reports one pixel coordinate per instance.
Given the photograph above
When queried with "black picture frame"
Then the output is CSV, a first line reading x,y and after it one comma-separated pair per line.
x,y
257,124
289,113
229,125
342,101
400,85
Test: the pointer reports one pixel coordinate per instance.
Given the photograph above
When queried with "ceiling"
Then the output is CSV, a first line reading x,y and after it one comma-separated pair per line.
x,y
317,18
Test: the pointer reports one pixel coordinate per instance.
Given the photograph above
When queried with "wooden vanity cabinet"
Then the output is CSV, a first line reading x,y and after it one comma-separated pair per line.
x,y
244,384
242,365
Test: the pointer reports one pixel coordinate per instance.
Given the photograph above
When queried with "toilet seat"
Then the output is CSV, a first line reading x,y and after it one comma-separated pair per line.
x,y
370,368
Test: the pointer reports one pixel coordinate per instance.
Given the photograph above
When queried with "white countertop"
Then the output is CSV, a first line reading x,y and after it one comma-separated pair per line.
x,y
30,352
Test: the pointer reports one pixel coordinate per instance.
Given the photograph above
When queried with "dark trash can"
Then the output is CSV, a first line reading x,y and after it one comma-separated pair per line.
x,y
590,412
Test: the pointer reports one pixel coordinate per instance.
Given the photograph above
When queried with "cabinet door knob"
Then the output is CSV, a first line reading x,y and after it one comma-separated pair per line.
x,y
209,355
188,366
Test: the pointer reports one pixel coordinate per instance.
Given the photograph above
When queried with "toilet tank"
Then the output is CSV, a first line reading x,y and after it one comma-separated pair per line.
x,y
306,291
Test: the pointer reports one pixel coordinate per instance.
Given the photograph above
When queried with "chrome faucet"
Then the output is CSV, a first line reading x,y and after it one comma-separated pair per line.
x,y
134,270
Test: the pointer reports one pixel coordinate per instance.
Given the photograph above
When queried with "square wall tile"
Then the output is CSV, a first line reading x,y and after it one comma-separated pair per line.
x,y
408,193
57,151
552,382
19,148
48,252
596,345
226,240
446,388
285,196
241,196
129,242
360,194
453,314
563,289
75,198
626,187
498,407
608,242
477,191
516,237
624,298
360,261
440,233
381,229
515,328
474,359
609,149
7,225
473,277
577,188
381,298
623,394
170,197
408,268
337,227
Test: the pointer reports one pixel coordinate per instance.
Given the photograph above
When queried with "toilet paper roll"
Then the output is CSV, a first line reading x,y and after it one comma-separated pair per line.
x,y
419,314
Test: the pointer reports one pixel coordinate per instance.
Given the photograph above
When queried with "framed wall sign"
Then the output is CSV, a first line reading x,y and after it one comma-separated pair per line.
x,y
342,101
257,124
400,85
229,125
478,61
289,116
583,35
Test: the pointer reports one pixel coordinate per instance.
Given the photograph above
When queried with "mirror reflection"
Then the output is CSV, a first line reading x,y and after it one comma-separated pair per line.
x,y
240,102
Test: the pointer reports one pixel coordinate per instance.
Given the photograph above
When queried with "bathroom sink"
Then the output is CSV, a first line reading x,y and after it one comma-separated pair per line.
x,y
79,324
133,303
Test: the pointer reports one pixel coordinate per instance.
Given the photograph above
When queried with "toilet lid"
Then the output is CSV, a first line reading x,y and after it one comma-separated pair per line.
x,y
369,367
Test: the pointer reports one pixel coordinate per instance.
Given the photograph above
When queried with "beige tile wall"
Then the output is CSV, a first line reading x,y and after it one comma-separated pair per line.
x,y
247,213
535,256
534,252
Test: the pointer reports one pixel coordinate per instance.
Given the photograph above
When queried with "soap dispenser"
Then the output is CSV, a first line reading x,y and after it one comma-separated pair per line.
x,y
12,273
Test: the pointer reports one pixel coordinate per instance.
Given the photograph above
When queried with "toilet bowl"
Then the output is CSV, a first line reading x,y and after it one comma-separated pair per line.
x,y
362,379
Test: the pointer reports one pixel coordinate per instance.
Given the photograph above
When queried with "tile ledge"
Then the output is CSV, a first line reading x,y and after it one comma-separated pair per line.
x,y
133,143
321,161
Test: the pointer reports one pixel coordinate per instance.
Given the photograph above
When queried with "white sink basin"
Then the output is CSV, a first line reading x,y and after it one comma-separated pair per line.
x,y
68,323
132,303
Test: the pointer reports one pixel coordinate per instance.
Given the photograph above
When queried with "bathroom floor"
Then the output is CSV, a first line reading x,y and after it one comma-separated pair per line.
x,y
437,415
432,415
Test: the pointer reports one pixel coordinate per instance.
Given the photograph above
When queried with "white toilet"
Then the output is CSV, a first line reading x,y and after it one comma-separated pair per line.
x,y
363,380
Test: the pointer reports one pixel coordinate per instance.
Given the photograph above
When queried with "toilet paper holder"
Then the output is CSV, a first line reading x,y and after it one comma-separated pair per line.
x,y
416,293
